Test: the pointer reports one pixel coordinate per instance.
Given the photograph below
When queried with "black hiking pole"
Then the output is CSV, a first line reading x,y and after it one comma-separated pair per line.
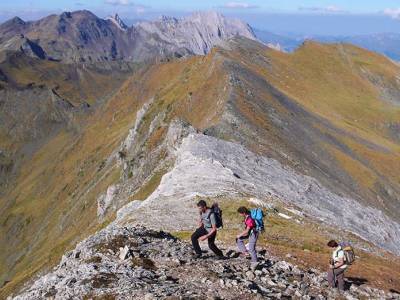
x,y
333,272
334,277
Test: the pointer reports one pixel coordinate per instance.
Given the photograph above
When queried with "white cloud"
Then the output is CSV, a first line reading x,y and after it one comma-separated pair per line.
x,y
119,2
323,9
139,8
124,3
333,8
392,12
239,5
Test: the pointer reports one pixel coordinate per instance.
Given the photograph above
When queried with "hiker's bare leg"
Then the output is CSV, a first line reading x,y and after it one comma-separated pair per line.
x,y
331,278
240,245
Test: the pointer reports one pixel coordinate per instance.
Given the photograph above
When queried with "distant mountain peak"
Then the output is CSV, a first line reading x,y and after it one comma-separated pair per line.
x,y
118,22
165,18
66,14
78,14
199,32
17,20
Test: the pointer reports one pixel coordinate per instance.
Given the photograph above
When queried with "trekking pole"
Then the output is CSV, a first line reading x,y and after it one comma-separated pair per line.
x,y
332,263
334,275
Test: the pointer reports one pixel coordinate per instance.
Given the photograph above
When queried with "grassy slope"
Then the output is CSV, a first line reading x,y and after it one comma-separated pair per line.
x,y
330,81
76,83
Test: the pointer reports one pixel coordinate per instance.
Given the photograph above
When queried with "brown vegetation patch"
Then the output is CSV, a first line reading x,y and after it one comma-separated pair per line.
x,y
117,242
94,260
101,280
143,262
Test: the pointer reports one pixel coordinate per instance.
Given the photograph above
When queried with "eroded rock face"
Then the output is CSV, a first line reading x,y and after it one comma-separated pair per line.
x,y
132,262
139,166
198,32
21,44
106,200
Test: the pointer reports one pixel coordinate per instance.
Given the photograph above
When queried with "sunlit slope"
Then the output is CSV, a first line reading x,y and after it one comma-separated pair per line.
x,y
78,83
329,110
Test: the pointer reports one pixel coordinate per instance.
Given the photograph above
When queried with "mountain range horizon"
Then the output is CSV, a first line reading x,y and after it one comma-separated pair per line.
x,y
385,42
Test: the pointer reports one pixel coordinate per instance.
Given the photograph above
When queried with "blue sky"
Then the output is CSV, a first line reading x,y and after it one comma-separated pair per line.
x,y
336,17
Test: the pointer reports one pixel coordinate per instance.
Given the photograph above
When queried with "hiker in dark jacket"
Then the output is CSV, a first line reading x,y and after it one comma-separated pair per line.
x,y
337,266
249,233
207,230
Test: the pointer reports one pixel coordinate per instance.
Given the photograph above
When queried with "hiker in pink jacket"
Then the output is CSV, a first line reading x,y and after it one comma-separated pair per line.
x,y
249,233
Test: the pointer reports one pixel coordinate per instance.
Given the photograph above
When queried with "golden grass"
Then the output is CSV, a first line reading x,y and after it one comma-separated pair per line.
x,y
149,187
326,80
75,83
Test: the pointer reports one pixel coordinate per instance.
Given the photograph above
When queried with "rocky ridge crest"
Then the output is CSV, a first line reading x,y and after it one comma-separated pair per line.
x,y
132,261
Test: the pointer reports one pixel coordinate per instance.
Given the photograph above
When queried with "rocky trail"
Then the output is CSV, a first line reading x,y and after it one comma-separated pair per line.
x,y
134,262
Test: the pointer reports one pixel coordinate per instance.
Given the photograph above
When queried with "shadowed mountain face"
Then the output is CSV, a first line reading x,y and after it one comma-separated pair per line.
x,y
331,117
82,37
99,136
39,97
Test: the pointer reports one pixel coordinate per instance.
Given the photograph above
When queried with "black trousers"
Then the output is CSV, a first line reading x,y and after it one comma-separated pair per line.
x,y
211,241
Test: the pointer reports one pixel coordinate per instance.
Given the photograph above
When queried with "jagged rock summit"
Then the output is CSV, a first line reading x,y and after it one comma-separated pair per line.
x,y
118,21
198,32
133,262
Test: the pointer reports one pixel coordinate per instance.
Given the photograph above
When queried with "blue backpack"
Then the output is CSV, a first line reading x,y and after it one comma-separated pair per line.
x,y
258,216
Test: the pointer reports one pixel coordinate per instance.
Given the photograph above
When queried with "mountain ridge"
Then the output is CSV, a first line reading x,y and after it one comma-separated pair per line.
x,y
385,43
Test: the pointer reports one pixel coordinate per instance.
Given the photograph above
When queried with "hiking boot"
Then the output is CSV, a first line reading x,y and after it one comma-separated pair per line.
x,y
254,265
221,257
196,256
